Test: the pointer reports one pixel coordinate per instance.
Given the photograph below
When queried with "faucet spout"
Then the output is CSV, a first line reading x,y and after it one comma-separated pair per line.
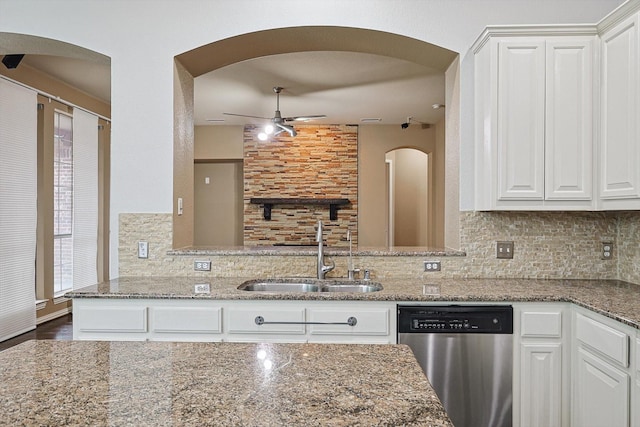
x,y
322,268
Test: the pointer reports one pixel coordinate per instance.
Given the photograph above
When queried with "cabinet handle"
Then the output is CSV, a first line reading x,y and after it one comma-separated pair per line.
x,y
351,321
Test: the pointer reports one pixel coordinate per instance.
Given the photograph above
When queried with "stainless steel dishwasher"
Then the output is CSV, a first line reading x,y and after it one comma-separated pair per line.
x,y
466,353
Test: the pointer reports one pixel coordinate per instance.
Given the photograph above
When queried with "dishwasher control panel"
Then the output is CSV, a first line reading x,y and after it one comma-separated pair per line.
x,y
456,319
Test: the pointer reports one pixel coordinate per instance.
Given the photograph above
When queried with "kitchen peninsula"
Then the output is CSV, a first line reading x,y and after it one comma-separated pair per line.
x,y
206,384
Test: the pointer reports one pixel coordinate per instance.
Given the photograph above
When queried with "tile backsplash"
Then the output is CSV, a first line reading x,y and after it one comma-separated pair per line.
x,y
547,245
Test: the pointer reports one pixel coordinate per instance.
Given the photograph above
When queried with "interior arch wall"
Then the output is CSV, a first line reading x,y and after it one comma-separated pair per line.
x,y
297,39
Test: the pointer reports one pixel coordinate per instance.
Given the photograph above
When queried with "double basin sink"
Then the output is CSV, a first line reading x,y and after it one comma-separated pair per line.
x,y
310,285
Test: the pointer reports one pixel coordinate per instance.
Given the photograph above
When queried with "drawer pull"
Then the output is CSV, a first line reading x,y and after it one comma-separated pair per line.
x,y
351,321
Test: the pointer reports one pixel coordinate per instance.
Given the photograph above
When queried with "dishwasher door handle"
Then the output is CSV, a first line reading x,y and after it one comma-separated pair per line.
x,y
351,321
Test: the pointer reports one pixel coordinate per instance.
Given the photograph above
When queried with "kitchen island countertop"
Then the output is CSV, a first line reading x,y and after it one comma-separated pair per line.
x,y
75,383
612,298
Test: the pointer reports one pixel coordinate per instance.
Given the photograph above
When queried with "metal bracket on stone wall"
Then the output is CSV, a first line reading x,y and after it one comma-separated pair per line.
x,y
269,202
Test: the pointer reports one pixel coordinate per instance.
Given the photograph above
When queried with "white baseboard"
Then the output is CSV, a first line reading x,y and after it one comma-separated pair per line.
x,y
53,315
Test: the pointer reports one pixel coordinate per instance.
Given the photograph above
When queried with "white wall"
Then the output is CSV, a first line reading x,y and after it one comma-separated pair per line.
x,y
143,36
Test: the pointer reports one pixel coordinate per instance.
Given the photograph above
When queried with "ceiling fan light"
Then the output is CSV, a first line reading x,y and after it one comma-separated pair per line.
x,y
263,136
268,129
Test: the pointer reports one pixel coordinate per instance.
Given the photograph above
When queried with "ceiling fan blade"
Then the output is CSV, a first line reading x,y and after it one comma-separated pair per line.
x,y
246,115
304,118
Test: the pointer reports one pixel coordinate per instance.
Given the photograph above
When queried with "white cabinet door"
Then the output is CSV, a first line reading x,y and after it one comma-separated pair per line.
x,y
541,385
368,325
601,393
541,369
109,321
620,150
534,110
569,119
186,323
521,106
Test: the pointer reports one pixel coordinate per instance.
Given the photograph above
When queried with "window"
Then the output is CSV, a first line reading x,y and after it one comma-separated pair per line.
x,y
63,202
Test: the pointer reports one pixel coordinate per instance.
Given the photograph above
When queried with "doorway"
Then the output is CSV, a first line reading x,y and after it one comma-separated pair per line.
x,y
408,197
218,200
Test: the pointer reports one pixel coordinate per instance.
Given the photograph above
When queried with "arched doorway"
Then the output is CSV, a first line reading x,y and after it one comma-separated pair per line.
x,y
216,55
408,195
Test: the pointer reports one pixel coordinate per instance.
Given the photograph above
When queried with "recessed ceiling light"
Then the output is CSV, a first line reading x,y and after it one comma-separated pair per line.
x,y
371,120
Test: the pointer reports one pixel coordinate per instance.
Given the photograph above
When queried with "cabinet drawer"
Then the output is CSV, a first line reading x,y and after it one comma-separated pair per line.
x,y
199,320
369,322
603,338
112,319
244,320
541,324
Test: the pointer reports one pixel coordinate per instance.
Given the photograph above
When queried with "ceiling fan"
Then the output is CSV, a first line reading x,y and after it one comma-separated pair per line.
x,y
279,123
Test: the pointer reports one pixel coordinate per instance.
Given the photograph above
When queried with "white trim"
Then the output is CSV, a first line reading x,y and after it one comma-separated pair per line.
x,y
59,297
622,12
54,315
532,31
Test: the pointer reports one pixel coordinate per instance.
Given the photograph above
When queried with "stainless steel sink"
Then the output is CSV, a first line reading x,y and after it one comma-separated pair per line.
x,y
352,287
278,287
310,285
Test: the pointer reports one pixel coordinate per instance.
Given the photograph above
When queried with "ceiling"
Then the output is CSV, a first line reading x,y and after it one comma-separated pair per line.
x,y
345,86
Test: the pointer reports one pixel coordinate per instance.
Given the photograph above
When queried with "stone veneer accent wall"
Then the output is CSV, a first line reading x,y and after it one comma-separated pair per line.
x,y
320,162
628,246
547,245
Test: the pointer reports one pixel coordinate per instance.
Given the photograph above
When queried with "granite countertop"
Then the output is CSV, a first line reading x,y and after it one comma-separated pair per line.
x,y
312,250
75,383
615,299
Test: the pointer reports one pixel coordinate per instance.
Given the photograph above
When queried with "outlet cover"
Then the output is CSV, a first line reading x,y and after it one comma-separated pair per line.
x,y
607,250
504,250
202,266
432,266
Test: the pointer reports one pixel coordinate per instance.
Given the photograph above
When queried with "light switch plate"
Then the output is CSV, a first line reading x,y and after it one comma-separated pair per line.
x,y
143,250
504,250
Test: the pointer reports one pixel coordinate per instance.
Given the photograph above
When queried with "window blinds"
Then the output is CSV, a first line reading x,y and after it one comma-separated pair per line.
x,y
85,198
18,208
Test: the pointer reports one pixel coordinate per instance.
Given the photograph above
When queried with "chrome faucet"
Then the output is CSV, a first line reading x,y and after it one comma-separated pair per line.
x,y
322,268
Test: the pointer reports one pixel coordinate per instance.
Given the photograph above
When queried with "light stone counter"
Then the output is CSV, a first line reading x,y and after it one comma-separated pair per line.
x,y
615,299
75,383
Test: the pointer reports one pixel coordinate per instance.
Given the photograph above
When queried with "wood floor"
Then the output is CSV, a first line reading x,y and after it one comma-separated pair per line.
x,y
56,329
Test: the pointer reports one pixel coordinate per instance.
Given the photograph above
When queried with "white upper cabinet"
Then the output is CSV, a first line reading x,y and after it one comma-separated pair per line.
x,y
619,151
534,118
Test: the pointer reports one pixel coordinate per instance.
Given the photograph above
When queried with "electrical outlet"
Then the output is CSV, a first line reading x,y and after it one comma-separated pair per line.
x,y
504,250
607,250
143,250
432,266
202,288
202,266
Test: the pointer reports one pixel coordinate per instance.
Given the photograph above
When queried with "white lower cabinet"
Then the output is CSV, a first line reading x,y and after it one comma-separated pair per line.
x,y
603,367
264,321
540,367
354,322
186,323
635,391
601,393
351,324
